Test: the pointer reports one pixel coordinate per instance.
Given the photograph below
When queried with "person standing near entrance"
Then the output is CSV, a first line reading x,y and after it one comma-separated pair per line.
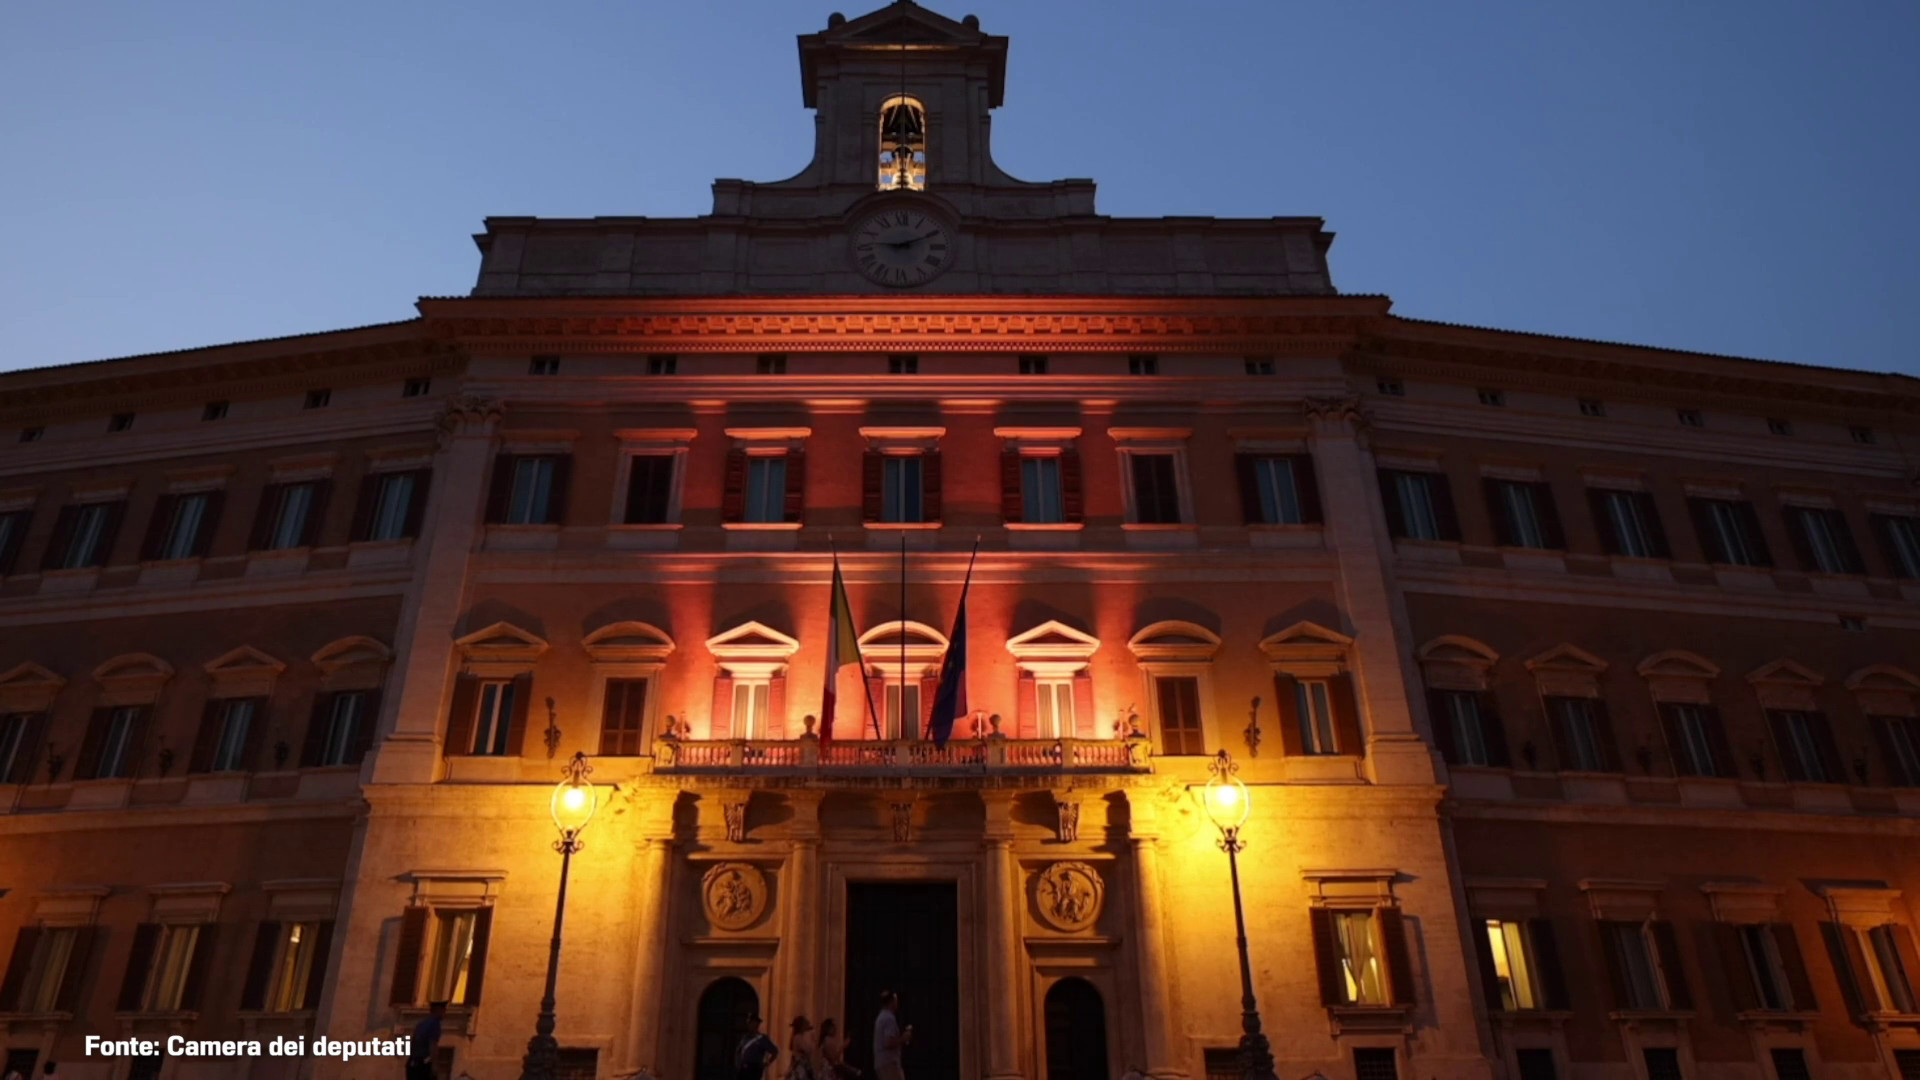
x,y
756,1051
426,1039
889,1038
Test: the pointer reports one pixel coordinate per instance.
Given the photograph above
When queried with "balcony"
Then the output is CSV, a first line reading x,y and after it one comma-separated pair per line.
x,y
992,756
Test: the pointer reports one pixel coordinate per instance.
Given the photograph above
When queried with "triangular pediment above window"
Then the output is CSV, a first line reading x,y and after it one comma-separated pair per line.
x,y
1174,640
1566,657
1786,673
752,640
29,688
628,642
1306,641
30,674
134,666
349,651
1457,649
1678,664
501,641
920,642
245,659
1053,639
1885,678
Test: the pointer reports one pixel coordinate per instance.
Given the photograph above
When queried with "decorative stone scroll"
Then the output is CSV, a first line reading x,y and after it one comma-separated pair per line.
x,y
1069,896
735,895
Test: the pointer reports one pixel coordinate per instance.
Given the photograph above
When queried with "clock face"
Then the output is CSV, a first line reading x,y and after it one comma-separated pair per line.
x,y
901,247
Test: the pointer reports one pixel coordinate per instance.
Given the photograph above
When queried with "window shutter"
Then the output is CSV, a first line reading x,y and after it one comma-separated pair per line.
x,y
1829,750
406,958
1442,720
1504,530
109,533
777,707
263,515
1393,935
796,496
1549,511
872,473
1448,522
477,965
1483,957
1797,536
1677,750
1701,510
209,523
722,723
62,538
208,738
365,730
466,698
316,512
1733,966
23,945
89,762
195,987
417,506
10,548
29,755
1286,699
500,489
1750,524
1346,715
1883,526
1909,959
1246,470
559,493
253,993
1882,740
1783,746
138,962
1849,963
522,709
314,748
155,542
1603,734
1326,957
1724,763
1012,506
613,713
366,501
1085,723
931,488
74,979
1027,715
1843,539
1602,521
1610,950
876,697
1546,963
1072,489
137,739
1306,485
317,973
733,487
1390,502
1788,945
1650,519
1493,731
1668,946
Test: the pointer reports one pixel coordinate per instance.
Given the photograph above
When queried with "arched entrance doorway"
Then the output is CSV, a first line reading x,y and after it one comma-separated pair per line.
x,y
724,1007
1076,1032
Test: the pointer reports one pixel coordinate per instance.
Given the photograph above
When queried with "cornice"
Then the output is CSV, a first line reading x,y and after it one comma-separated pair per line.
x,y
1693,817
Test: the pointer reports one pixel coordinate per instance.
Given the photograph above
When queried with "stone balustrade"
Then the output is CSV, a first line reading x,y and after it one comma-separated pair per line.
x,y
852,757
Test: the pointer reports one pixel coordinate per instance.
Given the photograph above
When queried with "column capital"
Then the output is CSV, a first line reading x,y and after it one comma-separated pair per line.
x,y
469,416
1337,415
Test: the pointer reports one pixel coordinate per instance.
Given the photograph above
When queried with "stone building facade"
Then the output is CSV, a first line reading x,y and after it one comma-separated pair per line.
x,y
1574,683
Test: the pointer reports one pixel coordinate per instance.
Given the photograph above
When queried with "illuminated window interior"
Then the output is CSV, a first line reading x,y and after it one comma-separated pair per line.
x,y
903,145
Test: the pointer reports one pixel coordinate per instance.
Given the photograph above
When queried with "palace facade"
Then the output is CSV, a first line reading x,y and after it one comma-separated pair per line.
x,y
1576,685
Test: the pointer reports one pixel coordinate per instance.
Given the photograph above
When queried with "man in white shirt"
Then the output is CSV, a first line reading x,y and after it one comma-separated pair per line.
x,y
889,1038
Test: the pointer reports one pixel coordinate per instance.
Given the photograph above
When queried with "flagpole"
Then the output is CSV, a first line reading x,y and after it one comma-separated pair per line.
x,y
953,675
902,695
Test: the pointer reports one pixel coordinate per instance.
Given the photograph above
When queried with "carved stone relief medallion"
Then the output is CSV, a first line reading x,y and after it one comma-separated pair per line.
x,y
1069,895
735,895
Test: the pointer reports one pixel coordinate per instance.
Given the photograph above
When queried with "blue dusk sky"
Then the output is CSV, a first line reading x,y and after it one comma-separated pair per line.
x,y
1730,176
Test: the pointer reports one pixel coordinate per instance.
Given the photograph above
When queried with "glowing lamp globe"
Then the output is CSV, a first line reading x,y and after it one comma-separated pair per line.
x,y
574,800
1226,799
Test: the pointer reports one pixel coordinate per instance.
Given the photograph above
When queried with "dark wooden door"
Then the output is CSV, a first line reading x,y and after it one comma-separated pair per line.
x,y
1076,1032
724,1007
904,937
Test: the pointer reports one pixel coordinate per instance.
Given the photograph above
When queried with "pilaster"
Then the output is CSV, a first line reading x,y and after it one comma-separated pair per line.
x,y
653,882
998,882
1149,941
805,925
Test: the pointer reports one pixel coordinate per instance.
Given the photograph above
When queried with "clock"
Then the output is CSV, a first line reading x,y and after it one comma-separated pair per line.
x,y
901,246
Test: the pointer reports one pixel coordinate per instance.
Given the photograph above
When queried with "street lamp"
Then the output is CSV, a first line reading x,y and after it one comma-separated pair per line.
x,y
1226,799
572,806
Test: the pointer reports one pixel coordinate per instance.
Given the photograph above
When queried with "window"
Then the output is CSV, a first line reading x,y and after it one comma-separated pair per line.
x,y
1179,700
1577,727
291,515
494,717
235,722
903,723
1143,365
1056,708
1690,418
32,434
181,524
318,399
1462,730
1900,536
1790,1063
416,388
1730,532
1493,397
548,365
1765,967
902,489
115,732
392,512
1033,365
1419,505
1628,523
1592,407
1777,426
1806,746
1524,515
450,959
297,954
903,365
13,530
16,746
1887,972
1637,976
214,410
1362,967
166,982
1863,435
120,422
1908,1064
663,364
528,489
1536,1063
83,537
1513,965
903,145
1040,491
576,1063
1391,387
1825,542
752,706
1278,489
621,717
1259,365
44,959
1314,705
1853,624
145,1067
766,489
1663,1063
770,364
1695,740
1156,492
1901,735
1375,1063
650,489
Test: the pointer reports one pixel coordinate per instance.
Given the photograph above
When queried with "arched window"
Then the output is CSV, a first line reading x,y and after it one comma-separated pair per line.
x,y
903,144
725,1007
1076,1032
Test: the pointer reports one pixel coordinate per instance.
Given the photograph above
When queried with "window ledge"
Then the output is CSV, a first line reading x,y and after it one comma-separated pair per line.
x,y
523,526
1375,1018
761,526
36,1017
166,1016
1286,526
1782,1017
187,560
647,526
1062,526
1159,526
365,545
264,1014
459,1018
1632,1016
1517,1017
903,526
1595,774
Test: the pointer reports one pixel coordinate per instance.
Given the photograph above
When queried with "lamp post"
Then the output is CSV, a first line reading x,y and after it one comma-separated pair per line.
x,y
572,806
1226,798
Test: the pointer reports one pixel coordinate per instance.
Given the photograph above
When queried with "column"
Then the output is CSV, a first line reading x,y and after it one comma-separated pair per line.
x,y
802,925
423,642
1150,955
1356,534
1003,966
653,880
